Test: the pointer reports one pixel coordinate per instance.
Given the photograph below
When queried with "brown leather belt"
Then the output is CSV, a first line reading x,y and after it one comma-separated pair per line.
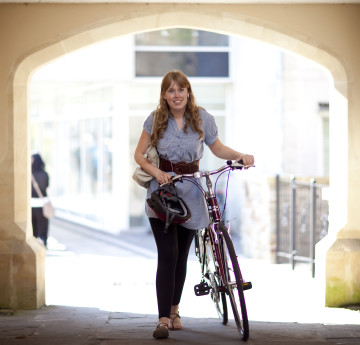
x,y
180,167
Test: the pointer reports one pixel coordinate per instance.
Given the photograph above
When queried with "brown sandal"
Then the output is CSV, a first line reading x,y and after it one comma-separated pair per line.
x,y
172,319
161,331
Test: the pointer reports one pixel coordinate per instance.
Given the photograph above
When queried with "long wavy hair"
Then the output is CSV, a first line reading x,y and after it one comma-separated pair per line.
x,y
191,115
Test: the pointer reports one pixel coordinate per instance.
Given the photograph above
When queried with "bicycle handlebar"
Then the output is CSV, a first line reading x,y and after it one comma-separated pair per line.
x,y
230,165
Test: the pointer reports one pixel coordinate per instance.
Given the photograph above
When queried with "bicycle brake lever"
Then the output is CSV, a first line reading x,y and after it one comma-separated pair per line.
x,y
174,179
177,178
234,165
243,166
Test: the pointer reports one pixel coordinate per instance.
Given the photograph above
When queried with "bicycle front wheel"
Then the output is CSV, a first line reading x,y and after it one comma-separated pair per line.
x,y
211,273
234,285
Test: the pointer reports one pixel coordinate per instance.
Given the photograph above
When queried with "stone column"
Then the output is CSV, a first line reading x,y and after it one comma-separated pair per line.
x,y
22,257
339,253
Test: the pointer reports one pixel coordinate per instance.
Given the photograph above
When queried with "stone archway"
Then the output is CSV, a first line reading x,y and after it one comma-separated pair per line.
x,y
139,18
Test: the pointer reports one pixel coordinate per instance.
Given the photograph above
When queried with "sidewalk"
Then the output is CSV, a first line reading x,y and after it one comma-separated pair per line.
x,y
107,300
59,325
123,312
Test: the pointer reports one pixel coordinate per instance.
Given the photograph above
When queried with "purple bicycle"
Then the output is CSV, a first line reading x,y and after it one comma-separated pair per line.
x,y
220,270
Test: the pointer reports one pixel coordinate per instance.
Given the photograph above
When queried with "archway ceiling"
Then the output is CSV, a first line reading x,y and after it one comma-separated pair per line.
x,y
191,1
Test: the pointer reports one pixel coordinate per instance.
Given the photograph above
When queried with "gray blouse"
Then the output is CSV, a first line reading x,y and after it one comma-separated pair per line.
x,y
178,146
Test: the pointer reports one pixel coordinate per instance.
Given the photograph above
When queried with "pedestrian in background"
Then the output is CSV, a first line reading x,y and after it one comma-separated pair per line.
x,y
180,130
40,224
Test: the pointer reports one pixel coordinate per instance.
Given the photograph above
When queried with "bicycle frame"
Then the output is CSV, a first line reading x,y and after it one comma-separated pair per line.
x,y
212,229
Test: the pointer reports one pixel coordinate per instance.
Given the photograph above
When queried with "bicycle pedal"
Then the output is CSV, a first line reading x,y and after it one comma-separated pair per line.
x,y
247,286
202,289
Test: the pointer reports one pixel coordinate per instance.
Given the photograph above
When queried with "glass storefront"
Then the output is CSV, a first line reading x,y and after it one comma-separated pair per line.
x,y
77,145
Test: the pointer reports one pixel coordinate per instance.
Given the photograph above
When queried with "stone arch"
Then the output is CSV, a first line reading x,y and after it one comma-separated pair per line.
x,y
150,19
229,24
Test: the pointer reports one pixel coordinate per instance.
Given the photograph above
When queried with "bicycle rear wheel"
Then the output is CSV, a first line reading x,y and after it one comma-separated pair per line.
x,y
234,285
211,273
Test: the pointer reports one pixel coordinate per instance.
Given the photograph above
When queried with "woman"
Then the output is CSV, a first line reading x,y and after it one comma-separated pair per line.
x,y
40,223
180,130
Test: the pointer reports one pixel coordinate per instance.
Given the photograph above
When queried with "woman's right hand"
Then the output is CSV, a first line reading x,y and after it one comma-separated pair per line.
x,y
163,177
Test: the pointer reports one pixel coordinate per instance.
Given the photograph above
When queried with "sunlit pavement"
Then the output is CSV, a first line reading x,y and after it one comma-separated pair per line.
x,y
108,300
127,285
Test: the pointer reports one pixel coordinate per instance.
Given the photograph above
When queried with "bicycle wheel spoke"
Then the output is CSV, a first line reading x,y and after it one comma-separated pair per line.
x,y
212,276
217,297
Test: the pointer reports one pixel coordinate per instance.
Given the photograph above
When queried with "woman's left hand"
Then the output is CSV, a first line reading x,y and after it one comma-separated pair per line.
x,y
247,159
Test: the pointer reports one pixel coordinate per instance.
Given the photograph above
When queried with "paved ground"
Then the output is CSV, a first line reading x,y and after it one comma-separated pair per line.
x,y
100,291
59,325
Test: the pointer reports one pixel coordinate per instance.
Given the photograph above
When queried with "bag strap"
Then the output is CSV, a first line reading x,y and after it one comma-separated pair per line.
x,y
152,130
36,186
153,125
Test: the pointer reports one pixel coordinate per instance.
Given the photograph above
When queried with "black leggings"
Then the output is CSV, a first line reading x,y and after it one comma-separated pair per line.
x,y
173,250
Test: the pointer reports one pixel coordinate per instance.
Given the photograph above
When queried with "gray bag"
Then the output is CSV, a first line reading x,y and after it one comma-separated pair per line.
x,y
140,176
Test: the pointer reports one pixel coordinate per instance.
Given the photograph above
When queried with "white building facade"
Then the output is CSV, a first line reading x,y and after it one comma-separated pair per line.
x,y
87,111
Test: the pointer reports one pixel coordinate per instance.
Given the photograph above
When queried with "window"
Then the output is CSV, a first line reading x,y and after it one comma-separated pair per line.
x,y
196,53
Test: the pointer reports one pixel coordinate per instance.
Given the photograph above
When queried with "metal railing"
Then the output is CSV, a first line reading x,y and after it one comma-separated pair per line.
x,y
301,221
